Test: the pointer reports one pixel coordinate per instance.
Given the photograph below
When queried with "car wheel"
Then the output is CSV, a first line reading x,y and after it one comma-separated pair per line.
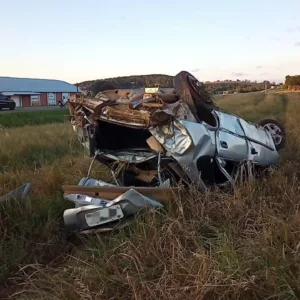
x,y
193,92
277,132
12,108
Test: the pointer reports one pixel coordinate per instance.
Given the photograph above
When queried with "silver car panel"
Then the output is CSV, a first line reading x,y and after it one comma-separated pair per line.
x,y
257,134
230,123
263,156
202,143
238,140
91,211
231,147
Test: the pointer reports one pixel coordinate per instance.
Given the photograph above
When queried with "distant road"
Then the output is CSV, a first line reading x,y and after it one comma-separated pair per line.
x,y
31,108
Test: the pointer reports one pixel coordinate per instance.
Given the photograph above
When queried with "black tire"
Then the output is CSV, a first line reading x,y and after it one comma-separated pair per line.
x,y
12,106
191,91
280,138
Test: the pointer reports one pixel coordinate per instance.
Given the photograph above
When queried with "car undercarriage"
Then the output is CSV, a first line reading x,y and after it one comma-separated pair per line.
x,y
152,143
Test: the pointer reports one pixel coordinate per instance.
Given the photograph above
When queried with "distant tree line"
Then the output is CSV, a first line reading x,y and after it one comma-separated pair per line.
x,y
238,86
292,82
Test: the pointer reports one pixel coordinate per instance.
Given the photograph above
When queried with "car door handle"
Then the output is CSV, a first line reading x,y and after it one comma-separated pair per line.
x,y
224,144
253,151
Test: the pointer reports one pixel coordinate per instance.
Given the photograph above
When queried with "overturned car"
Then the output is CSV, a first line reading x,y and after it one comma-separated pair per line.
x,y
155,141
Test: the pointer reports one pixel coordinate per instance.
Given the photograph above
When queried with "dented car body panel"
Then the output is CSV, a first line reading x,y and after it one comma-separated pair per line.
x,y
157,140
183,139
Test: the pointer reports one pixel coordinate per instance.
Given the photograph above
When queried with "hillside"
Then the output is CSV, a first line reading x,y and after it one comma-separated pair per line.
x,y
127,82
166,81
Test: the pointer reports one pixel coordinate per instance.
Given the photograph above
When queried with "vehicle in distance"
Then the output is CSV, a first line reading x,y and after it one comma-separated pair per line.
x,y
6,102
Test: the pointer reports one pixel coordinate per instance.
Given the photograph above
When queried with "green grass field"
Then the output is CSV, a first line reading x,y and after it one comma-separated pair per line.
x,y
212,246
17,119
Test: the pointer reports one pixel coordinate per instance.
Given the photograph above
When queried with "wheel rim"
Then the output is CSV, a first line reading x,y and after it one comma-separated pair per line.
x,y
275,132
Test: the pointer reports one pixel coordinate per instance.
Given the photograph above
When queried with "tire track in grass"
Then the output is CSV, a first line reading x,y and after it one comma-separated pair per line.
x,y
284,102
244,105
291,118
256,107
270,108
258,98
250,111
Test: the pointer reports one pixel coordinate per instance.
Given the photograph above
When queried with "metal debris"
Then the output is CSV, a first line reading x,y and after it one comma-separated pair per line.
x,y
18,194
97,212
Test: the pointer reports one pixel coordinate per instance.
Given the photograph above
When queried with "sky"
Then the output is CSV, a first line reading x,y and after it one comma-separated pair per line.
x,y
214,40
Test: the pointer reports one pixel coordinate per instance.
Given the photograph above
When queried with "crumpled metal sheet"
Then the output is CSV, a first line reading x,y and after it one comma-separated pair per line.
x,y
113,106
95,212
131,157
203,145
179,110
173,136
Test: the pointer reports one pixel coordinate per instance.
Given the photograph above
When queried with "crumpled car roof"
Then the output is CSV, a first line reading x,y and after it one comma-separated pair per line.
x,y
116,106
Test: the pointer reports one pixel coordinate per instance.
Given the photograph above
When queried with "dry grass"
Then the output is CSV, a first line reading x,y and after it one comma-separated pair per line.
x,y
212,246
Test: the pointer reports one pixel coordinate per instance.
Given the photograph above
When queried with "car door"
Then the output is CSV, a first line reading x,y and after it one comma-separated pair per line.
x,y
231,141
